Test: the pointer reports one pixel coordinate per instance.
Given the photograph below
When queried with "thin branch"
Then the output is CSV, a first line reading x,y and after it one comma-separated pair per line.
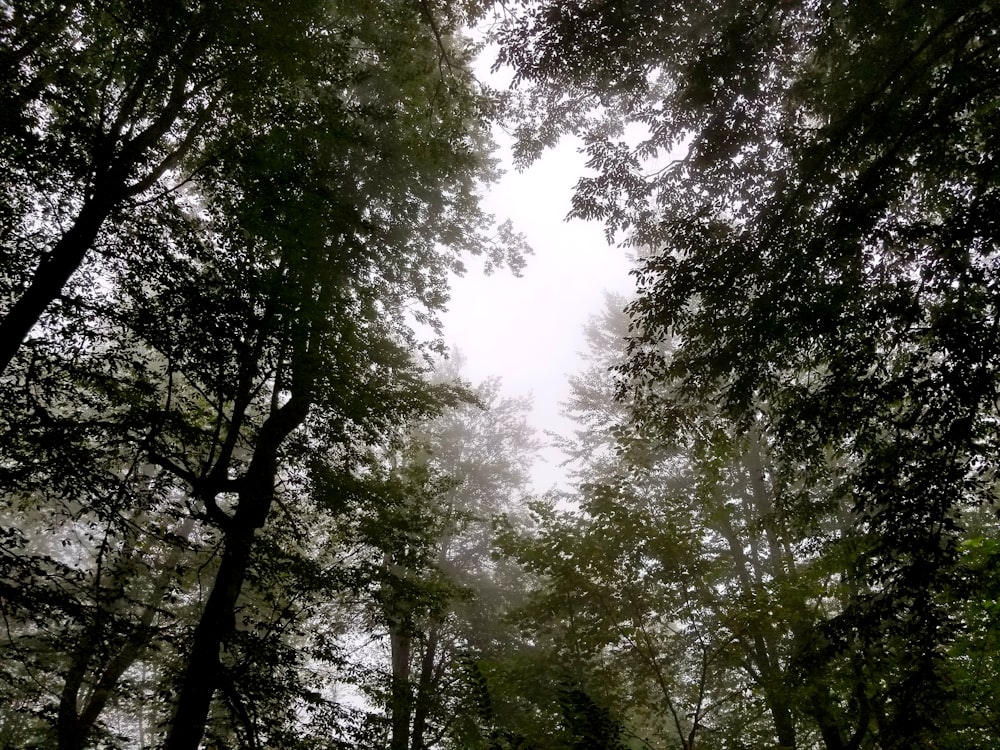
x,y
429,16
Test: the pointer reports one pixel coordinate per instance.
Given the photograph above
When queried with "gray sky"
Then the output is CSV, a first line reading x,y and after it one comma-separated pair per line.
x,y
528,330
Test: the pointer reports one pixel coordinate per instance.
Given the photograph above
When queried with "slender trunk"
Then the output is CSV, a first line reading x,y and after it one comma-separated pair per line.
x,y
761,495
256,495
763,652
142,708
401,698
70,731
74,725
127,653
425,684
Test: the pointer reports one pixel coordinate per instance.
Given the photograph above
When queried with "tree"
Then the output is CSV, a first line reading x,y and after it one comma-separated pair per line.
x,y
592,449
230,236
425,518
486,449
705,576
822,254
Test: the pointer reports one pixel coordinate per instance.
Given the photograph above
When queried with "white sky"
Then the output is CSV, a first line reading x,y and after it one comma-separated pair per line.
x,y
528,330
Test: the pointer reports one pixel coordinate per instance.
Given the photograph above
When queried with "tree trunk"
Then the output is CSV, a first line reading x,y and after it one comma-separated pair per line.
x,y
69,735
217,621
425,685
763,651
401,698
819,707
51,276
124,658
74,725
201,674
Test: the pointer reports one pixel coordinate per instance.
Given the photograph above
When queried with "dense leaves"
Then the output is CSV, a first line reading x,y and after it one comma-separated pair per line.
x,y
216,219
238,506
704,587
823,254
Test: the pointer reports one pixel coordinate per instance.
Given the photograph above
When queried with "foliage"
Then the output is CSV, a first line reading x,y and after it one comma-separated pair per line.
x,y
822,252
220,222
424,532
238,505
703,587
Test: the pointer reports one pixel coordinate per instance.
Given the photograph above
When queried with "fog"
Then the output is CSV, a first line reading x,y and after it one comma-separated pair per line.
x,y
529,330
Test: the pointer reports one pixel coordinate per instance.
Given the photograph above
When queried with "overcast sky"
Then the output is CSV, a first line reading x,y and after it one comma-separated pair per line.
x,y
528,330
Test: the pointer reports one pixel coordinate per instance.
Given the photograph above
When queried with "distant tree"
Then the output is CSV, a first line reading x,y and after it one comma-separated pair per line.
x,y
487,448
593,447
428,523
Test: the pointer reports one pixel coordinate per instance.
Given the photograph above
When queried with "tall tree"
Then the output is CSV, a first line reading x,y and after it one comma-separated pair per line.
x,y
823,253
707,577
236,211
354,240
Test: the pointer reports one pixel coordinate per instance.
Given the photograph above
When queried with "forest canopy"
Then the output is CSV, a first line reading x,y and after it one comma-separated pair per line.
x,y
244,502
